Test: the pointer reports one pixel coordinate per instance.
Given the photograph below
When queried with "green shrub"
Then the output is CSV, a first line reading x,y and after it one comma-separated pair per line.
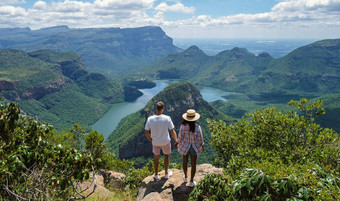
x,y
212,187
269,134
274,155
31,167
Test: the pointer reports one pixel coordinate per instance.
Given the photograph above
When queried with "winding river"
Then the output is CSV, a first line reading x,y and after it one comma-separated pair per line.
x,y
110,120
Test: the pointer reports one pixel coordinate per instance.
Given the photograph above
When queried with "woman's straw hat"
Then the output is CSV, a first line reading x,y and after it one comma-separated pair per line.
x,y
191,115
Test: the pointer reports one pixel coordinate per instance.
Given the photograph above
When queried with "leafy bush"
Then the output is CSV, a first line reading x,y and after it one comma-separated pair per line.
x,y
254,184
33,168
212,187
274,155
269,134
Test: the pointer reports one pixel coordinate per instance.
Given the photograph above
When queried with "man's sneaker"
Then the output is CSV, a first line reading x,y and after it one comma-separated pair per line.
x,y
167,176
156,177
185,179
192,184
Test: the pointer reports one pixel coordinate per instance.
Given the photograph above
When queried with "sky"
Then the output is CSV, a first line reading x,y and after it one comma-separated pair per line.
x,y
319,19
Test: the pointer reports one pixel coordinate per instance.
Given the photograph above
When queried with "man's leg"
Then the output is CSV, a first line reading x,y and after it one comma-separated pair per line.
x,y
166,163
166,151
156,163
156,151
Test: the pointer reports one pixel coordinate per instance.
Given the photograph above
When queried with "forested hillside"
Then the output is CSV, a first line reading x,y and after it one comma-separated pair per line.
x,y
57,88
106,50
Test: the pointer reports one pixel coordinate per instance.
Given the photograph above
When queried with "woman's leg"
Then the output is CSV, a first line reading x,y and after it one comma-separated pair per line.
x,y
185,165
193,167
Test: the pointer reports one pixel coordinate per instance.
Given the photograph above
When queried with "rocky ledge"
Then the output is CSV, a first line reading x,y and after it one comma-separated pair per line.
x,y
173,189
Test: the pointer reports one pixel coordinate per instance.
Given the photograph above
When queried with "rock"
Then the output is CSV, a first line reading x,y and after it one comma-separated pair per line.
x,y
112,179
104,181
173,189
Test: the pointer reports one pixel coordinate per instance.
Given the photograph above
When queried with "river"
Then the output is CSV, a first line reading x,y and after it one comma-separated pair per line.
x,y
107,123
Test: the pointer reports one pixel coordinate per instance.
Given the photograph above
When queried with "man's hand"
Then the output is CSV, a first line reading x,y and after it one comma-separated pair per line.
x,y
147,134
176,145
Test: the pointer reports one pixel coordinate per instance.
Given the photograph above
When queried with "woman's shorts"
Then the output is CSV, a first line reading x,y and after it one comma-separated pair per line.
x,y
157,149
191,151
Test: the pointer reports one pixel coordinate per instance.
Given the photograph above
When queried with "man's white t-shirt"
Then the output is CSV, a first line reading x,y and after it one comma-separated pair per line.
x,y
159,126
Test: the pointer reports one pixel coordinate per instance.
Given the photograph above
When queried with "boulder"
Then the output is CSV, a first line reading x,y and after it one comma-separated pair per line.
x,y
173,189
112,179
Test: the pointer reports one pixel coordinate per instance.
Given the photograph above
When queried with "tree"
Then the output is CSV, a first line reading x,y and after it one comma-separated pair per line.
x,y
94,144
32,168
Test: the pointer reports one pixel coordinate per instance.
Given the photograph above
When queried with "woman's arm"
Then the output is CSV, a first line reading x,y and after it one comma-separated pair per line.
x,y
200,136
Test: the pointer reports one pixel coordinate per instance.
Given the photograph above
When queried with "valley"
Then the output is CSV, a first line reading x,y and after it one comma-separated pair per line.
x,y
64,88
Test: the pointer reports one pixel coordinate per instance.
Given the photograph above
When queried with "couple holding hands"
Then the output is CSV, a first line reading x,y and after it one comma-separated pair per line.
x,y
189,141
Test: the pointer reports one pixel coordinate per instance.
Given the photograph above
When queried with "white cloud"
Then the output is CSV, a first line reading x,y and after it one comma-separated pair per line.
x,y
11,11
125,4
178,7
69,6
307,5
11,2
39,5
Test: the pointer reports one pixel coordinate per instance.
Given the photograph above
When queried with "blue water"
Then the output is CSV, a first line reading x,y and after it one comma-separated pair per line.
x,y
275,47
106,124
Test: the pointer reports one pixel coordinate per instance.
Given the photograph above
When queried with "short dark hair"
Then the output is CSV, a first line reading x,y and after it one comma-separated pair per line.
x,y
159,106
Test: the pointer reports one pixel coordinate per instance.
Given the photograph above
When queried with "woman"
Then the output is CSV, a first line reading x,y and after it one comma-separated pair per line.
x,y
190,142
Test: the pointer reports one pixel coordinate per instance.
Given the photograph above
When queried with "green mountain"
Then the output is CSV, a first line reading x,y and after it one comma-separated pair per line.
x,y
309,71
105,50
57,88
129,141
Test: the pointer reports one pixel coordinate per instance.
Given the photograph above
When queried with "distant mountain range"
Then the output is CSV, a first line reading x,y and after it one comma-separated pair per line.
x,y
57,88
310,70
107,50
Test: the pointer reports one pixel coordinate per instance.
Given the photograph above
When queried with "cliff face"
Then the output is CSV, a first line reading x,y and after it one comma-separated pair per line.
x,y
129,139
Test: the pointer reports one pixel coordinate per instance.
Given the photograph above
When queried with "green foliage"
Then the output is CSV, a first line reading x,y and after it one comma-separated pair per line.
x,y
31,167
254,184
212,187
271,134
94,144
279,155
309,110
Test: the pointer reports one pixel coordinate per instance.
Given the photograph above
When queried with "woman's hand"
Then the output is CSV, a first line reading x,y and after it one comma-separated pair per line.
x,y
176,145
202,149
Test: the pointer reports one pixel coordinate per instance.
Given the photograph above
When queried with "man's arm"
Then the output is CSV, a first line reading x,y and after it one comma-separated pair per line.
x,y
147,134
174,136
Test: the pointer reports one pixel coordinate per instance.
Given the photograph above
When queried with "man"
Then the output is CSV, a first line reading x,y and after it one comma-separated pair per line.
x,y
160,125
